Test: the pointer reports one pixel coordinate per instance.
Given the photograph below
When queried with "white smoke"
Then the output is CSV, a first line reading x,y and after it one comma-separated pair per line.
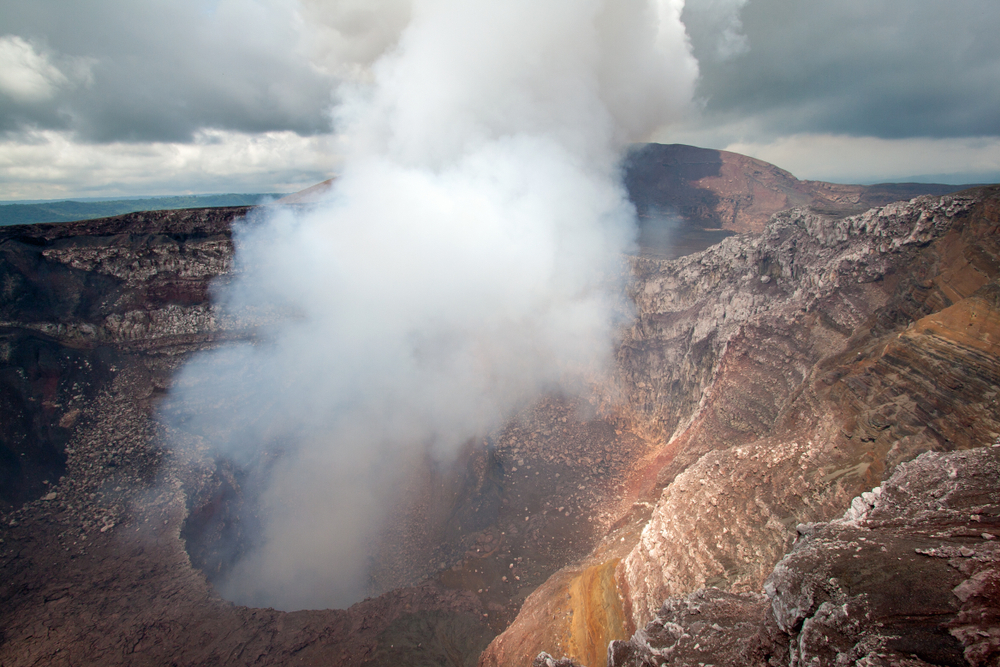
x,y
466,260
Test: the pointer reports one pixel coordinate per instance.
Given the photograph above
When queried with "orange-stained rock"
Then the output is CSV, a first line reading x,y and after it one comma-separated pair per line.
x,y
788,373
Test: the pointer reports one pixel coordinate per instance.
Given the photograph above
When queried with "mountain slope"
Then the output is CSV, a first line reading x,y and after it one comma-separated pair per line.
x,y
689,198
780,376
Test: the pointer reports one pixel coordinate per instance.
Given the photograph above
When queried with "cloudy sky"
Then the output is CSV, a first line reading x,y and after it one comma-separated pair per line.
x,y
151,97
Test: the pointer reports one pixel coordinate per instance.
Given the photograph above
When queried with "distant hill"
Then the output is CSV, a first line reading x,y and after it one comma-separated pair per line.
x,y
689,198
69,210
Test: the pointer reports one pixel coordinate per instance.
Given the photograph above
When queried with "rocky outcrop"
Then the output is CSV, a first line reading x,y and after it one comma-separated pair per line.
x,y
910,575
822,387
912,569
709,626
76,298
787,373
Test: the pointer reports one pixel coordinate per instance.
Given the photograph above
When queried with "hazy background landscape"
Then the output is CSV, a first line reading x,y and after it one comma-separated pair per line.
x,y
30,212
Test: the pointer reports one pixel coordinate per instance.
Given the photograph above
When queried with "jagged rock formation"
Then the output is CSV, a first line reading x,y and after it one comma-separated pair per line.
x,y
910,575
814,319
76,297
783,375
765,383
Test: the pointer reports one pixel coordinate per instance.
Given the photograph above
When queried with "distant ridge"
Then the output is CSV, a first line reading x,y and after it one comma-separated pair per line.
x,y
310,195
688,198
71,210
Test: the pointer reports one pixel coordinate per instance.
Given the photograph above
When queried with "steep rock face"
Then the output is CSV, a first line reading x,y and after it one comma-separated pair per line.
x,y
910,575
75,298
785,374
575,612
912,569
709,626
831,423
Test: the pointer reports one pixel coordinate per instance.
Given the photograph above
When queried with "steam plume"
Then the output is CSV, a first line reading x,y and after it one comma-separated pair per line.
x,y
464,263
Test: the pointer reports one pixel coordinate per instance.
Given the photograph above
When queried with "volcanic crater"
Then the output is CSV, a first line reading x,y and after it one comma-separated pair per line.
x,y
766,383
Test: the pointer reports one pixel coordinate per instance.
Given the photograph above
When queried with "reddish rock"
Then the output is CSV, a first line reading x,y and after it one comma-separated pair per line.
x,y
775,402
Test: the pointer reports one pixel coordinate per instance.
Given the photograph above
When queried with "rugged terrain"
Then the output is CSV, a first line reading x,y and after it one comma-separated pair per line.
x,y
910,575
785,374
765,383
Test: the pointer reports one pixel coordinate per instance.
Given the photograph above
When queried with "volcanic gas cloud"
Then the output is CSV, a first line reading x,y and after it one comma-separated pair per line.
x,y
467,259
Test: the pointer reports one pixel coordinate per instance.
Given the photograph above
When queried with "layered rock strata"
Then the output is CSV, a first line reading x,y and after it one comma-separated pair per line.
x,y
909,576
844,347
783,375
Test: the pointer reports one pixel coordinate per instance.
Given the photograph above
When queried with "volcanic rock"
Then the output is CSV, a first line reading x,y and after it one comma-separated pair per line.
x,y
778,377
823,379
910,575
766,382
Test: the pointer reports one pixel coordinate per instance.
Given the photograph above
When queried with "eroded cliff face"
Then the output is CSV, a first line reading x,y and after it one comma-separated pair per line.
x,y
76,299
908,576
833,372
787,373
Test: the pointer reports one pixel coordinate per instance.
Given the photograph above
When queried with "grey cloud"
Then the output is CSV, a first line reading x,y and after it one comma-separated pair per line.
x,y
163,70
888,68
352,34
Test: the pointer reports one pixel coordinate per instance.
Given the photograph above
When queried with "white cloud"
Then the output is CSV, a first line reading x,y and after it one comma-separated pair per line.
x,y
50,165
29,76
847,159
346,36
178,71
162,71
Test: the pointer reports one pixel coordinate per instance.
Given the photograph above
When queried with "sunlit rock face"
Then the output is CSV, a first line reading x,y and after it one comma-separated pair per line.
x,y
844,347
779,376
908,576
823,378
